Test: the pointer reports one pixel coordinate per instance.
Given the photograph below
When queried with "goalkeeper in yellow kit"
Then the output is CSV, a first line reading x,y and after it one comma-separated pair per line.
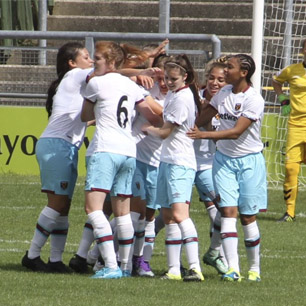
x,y
295,106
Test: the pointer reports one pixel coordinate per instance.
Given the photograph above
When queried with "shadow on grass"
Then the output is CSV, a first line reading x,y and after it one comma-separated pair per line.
x,y
13,267
268,217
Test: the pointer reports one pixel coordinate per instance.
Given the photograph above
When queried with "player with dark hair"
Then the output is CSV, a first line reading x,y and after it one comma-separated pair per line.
x,y
57,155
178,166
239,167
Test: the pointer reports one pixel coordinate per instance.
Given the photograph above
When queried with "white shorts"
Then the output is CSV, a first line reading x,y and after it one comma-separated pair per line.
x,y
110,173
241,182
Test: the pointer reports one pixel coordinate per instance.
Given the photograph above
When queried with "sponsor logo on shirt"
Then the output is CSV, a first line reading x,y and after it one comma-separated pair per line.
x,y
227,116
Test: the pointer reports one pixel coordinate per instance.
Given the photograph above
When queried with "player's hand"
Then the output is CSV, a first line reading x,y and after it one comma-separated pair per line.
x,y
195,133
145,81
145,127
159,50
285,104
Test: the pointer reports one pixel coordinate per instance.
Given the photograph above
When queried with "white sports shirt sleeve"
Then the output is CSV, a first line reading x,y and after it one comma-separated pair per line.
x,y
148,146
65,121
230,106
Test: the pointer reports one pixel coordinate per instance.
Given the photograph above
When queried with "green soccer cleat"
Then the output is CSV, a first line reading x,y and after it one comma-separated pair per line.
x,y
231,276
254,276
213,258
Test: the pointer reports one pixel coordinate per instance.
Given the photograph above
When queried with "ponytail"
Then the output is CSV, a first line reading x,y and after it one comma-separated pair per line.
x,y
67,52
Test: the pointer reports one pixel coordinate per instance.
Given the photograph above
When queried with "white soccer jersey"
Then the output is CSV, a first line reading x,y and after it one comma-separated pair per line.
x,y
115,97
179,109
148,146
230,106
65,121
204,149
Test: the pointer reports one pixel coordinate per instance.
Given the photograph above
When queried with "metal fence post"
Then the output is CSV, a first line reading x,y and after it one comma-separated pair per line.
x,y
90,45
42,26
164,18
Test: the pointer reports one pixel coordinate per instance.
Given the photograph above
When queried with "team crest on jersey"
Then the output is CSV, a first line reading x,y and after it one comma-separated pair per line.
x,y
64,185
237,106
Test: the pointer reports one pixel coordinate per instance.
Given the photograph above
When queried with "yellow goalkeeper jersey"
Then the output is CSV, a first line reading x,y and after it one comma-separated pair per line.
x,y
295,76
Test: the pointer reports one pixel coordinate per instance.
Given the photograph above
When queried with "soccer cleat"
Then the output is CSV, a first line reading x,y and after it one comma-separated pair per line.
x,y
254,276
126,273
183,270
58,267
170,276
286,218
213,258
78,264
35,264
141,267
99,264
231,276
108,273
193,275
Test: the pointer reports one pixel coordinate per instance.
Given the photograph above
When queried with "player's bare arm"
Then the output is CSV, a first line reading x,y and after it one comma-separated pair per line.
x,y
234,133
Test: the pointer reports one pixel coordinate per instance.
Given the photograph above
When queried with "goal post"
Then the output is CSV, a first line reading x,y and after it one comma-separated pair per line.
x,y
283,25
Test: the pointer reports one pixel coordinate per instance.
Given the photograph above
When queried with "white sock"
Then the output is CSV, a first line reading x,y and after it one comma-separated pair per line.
x,y
45,224
135,221
212,211
115,237
230,242
125,232
252,244
139,238
149,240
104,236
86,240
191,244
215,240
59,238
94,252
173,247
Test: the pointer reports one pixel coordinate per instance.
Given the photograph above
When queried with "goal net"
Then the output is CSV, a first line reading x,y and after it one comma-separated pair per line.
x,y
284,31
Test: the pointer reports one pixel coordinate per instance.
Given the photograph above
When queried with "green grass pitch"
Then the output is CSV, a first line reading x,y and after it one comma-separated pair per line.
x,y
283,259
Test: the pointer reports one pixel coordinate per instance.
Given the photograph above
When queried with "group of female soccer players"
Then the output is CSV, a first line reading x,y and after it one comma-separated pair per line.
x,y
145,156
